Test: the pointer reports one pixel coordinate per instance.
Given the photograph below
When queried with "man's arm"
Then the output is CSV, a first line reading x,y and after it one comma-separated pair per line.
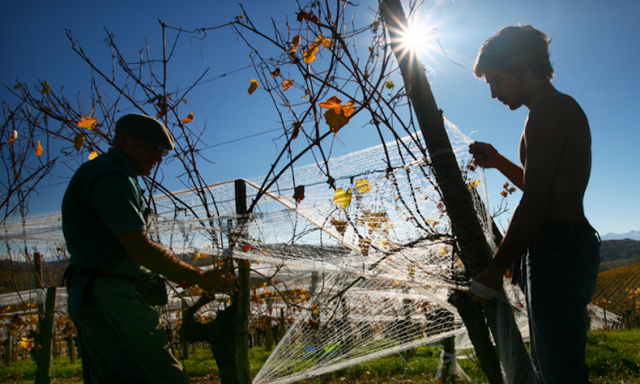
x,y
485,156
544,138
160,260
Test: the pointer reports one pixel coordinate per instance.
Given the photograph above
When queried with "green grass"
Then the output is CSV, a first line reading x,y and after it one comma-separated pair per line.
x,y
613,358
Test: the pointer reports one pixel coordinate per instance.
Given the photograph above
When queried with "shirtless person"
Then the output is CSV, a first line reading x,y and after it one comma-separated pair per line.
x,y
561,265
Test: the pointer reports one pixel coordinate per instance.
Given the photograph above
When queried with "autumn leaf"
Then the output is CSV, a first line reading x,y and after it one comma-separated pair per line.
x,y
46,88
512,190
93,155
389,85
78,141
295,43
335,121
27,344
286,84
188,119
504,193
310,55
475,183
298,193
348,109
296,130
254,86
363,186
302,15
87,122
324,41
506,185
340,225
276,72
248,247
39,149
13,137
332,103
342,198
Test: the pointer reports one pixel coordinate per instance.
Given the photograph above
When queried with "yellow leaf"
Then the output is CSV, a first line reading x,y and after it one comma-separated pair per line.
x,y
188,119
390,84
13,137
78,142
286,84
87,122
324,41
310,56
512,190
348,108
254,86
363,186
39,149
93,155
476,183
342,198
27,343
46,88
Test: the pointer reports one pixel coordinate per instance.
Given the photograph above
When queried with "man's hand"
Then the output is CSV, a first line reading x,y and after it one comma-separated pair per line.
x,y
484,155
215,281
491,278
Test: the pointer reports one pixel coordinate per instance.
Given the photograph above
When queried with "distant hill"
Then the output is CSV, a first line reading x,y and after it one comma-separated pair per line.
x,y
614,287
633,235
618,253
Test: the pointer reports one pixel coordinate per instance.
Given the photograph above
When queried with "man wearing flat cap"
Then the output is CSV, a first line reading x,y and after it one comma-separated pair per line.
x,y
112,281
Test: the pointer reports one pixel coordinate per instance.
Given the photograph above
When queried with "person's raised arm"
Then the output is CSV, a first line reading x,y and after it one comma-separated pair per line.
x,y
486,156
160,260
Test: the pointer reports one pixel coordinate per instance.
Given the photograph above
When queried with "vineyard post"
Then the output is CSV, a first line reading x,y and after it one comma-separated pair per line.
x,y
241,318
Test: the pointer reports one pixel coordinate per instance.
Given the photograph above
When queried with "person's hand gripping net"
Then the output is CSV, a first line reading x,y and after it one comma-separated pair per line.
x,y
484,155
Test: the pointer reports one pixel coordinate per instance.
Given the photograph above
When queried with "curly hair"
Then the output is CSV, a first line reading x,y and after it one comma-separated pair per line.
x,y
515,49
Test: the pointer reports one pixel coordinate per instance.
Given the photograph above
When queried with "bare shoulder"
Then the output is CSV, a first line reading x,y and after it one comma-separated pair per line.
x,y
559,110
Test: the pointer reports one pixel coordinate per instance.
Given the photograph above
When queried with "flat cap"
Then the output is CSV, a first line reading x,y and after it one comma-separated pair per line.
x,y
145,128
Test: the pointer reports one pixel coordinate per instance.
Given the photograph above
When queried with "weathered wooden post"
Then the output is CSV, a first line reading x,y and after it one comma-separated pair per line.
x,y
241,317
46,338
476,253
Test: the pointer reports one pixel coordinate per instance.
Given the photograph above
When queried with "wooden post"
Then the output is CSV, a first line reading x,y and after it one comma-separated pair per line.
x,y
476,253
241,318
46,338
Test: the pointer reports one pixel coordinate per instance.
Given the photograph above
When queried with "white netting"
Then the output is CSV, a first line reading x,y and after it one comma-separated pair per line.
x,y
356,282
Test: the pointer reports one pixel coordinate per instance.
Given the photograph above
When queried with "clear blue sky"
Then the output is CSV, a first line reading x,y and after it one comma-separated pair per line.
x,y
595,52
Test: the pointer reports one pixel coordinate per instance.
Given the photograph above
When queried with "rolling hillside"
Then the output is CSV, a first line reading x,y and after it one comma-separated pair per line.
x,y
618,290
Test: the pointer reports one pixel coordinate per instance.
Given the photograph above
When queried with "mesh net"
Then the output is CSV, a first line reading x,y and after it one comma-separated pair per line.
x,y
360,268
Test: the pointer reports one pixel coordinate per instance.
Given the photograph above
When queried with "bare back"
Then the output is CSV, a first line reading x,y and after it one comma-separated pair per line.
x,y
566,141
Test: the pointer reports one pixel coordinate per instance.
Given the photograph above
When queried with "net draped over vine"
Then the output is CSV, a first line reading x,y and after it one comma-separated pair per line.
x,y
357,254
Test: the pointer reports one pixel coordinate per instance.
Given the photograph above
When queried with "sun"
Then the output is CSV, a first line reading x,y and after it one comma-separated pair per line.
x,y
419,39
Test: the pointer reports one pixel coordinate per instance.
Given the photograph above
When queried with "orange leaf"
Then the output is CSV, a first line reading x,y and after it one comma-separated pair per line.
x,y
310,56
276,72
93,155
13,137
188,119
504,193
78,142
332,103
348,108
286,84
39,149
254,86
248,247
87,122
298,193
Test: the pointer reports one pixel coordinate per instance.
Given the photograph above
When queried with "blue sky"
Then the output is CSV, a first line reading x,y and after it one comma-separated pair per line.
x,y
595,52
